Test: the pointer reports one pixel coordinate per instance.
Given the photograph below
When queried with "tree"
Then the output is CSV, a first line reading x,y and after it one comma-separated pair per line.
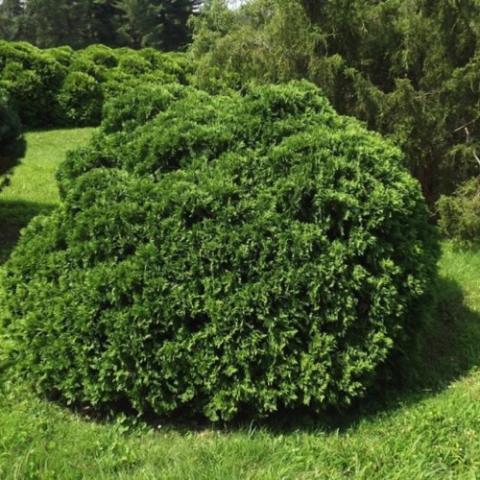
x,y
11,14
58,22
158,23
408,68
104,17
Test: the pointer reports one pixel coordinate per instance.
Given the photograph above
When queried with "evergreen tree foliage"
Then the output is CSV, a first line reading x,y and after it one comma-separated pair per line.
x,y
408,68
11,12
136,23
159,23
62,86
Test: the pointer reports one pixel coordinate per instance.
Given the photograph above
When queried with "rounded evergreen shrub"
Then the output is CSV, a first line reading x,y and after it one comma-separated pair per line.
x,y
32,78
233,254
80,100
133,63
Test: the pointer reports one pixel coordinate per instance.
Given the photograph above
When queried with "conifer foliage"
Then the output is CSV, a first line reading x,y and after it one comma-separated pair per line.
x,y
221,254
134,23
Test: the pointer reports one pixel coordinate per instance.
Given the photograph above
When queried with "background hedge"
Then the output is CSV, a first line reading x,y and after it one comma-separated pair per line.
x,y
60,86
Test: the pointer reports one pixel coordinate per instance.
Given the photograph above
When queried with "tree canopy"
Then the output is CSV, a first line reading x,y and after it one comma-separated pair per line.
x,y
408,68
134,23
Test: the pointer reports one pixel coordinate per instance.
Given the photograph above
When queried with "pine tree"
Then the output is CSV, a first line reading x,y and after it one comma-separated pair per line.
x,y
57,22
158,23
11,13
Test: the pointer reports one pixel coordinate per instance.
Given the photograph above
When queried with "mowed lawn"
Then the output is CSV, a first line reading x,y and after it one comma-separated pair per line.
x,y
32,189
427,429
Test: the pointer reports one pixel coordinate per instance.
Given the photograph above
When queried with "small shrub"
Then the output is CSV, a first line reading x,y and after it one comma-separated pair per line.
x,y
134,64
32,78
80,100
63,55
101,55
138,106
459,214
236,253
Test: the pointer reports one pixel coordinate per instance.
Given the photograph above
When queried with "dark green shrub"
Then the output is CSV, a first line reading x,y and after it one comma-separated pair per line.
x,y
80,100
60,86
101,55
96,61
9,133
63,55
9,123
139,105
459,214
232,254
32,79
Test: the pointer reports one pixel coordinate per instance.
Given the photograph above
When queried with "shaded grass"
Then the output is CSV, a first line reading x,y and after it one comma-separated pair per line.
x,y
426,428
9,158
31,189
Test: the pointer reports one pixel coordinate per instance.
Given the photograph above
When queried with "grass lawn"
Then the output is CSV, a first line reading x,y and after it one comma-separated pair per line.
x,y
32,189
430,430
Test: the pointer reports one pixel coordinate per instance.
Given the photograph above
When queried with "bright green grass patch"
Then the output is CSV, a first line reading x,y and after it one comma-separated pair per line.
x,y
431,431
32,189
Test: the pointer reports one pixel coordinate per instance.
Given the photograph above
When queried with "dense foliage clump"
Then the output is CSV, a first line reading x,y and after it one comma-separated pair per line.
x,y
459,214
409,68
222,254
60,86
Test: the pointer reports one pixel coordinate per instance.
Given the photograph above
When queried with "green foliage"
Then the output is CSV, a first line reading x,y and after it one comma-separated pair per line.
x,y
80,100
459,214
138,106
62,87
158,23
441,419
410,69
230,254
136,23
32,78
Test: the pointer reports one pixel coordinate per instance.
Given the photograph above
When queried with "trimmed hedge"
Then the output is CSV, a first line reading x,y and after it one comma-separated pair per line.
x,y
80,100
61,86
231,254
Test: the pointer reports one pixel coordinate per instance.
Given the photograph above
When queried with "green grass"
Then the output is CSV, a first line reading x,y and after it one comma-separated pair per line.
x,y
32,189
430,430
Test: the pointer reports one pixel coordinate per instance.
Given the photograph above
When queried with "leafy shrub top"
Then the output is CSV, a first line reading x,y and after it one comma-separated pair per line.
x,y
76,83
222,254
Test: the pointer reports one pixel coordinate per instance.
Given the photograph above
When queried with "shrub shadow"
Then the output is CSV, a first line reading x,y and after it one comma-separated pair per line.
x,y
10,157
15,215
